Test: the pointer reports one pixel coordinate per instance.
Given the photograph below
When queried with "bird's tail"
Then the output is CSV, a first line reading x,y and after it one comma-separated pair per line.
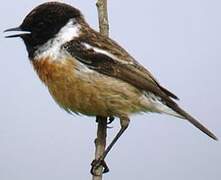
x,y
175,110
166,105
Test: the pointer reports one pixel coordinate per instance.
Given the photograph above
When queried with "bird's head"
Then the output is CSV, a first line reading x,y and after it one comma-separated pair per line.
x,y
45,22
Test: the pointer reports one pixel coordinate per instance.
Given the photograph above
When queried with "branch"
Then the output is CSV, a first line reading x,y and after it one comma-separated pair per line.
x,y
100,141
100,144
103,17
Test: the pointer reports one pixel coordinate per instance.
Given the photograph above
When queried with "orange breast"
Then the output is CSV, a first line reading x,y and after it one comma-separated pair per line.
x,y
60,79
68,88
88,93
50,71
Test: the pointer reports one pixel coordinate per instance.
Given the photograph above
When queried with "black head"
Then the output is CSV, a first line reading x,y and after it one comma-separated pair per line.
x,y
44,22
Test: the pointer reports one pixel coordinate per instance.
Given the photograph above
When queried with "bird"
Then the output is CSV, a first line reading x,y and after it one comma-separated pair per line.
x,y
91,74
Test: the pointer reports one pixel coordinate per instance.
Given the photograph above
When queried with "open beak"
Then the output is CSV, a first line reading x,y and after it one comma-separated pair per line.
x,y
21,32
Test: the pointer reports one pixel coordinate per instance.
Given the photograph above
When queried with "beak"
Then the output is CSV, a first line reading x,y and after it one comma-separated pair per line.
x,y
22,32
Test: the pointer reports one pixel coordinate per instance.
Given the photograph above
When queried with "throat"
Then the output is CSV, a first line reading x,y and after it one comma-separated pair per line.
x,y
52,49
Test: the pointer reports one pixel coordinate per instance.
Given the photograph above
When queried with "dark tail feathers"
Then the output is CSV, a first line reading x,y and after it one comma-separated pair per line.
x,y
192,120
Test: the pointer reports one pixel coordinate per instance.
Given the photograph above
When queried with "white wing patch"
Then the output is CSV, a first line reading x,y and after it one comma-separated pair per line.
x,y
52,47
101,51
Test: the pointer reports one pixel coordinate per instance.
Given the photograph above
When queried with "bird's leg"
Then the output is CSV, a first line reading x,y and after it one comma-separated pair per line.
x,y
124,121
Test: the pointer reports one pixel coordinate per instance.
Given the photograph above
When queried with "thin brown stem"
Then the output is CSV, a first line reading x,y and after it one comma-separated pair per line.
x,y
100,141
103,17
100,144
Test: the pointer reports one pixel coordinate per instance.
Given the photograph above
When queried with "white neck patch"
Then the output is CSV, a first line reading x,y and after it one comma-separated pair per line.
x,y
52,48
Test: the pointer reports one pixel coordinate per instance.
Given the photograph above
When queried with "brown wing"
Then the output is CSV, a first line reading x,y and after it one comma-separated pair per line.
x,y
107,57
139,76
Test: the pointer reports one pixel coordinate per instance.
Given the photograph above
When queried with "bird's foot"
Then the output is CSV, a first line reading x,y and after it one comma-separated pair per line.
x,y
110,119
97,163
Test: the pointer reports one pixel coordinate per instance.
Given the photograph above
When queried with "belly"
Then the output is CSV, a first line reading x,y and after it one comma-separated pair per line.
x,y
87,92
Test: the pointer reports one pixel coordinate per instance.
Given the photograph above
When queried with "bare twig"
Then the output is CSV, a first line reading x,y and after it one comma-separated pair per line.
x,y
103,17
100,144
100,141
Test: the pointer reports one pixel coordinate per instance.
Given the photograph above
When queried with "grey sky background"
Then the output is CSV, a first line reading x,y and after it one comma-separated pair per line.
x,y
179,41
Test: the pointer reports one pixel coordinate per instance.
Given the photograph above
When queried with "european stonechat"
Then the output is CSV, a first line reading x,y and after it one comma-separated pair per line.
x,y
89,73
